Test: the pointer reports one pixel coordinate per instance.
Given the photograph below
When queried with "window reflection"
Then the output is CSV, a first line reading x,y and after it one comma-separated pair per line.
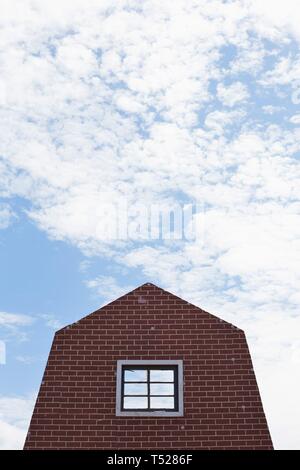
x,y
161,375
161,389
138,375
161,402
135,402
135,389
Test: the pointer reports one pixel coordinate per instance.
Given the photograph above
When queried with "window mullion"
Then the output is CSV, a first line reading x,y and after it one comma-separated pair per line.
x,y
148,387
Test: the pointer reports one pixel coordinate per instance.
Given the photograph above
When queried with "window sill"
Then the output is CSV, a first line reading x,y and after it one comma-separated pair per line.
x,y
153,414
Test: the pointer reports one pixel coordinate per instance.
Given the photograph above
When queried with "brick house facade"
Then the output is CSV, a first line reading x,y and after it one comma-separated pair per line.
x,y
76,406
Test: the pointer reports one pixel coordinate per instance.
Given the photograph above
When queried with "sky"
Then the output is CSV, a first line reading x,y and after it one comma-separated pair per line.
x,y
111,107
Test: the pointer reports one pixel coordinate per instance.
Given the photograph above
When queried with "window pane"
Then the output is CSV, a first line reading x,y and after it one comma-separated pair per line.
x,y
135,402
135,389
162,402
161,375
138,375
161,389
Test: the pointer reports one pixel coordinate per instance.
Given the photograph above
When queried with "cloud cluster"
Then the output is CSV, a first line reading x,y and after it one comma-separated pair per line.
x,y
107,288
15,413
162,103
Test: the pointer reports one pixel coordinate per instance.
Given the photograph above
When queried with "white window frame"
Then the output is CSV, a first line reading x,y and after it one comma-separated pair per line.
x,y
125,362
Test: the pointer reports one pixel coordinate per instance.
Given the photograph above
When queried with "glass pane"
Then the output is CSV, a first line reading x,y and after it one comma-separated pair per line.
x,y
162,402
161,389
161,375
135,389
138,375
132,403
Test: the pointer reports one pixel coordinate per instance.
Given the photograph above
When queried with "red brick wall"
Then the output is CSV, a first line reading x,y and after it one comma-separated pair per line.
x,y
76,402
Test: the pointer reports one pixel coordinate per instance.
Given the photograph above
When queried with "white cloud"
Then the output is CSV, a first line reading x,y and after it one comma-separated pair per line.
x,y
15,413
128,104
271,109
286,71
107,288
281,399
219,121
250,57
232,94
15,326
295,119
277,18
14,319
11,437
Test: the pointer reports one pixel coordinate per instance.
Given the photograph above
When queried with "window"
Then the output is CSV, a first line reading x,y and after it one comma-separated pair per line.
x,y
149,388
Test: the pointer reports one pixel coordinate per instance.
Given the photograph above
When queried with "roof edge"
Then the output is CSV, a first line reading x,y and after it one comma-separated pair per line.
x,y
137,288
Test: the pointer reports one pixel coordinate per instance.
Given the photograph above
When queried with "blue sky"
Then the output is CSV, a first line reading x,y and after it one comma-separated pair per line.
x,y
128,105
